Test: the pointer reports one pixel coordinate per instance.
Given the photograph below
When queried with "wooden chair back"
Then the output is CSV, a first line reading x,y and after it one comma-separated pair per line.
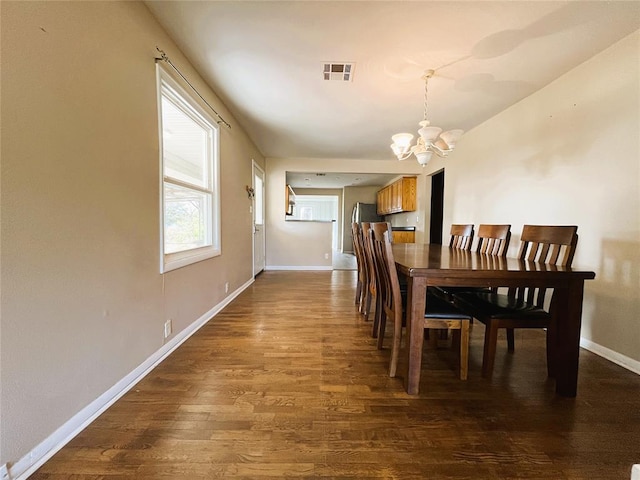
x,y
461,236
377,238
369,286
393,307
550,244
356,233
372,283
493,239
374,235
376,232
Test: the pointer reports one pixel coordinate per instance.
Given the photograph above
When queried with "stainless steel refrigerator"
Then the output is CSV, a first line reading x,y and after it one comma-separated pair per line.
x,y
365,212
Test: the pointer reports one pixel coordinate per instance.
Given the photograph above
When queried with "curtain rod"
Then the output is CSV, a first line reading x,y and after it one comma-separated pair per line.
x,y
165,58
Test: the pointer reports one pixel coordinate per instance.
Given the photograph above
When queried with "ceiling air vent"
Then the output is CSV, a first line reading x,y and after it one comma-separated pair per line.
x,y
342,72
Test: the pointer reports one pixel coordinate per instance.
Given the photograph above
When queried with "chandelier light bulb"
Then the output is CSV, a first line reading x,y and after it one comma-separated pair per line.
x,y
402,140
451,137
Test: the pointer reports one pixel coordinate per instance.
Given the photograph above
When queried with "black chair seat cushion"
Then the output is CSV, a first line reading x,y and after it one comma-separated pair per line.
x,y
495,305
447,293
437,308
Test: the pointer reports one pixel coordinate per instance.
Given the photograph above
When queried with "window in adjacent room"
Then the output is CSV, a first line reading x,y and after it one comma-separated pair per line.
x,y
318,208
189,152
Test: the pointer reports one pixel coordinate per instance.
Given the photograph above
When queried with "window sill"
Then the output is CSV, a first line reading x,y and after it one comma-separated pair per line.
x,y
177,260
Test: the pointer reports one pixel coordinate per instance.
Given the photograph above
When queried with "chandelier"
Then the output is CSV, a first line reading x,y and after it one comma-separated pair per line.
x,y
431,139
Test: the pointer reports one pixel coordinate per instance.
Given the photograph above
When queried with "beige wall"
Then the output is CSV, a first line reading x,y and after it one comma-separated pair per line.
x,y
569,154
83,303
306,252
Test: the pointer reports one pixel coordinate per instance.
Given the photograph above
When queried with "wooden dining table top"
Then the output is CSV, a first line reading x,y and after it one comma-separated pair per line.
x,y
449,265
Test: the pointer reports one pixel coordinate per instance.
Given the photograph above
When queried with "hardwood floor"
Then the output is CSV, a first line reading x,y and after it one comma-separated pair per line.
x,y
343,261
286,382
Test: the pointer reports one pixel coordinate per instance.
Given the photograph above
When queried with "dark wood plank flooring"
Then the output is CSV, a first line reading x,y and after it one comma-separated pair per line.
x,y
286,382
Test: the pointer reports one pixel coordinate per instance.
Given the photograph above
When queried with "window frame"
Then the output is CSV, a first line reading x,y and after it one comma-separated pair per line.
x,y
168,87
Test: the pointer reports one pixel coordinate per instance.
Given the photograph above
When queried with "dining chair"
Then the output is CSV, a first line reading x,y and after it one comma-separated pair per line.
x,y
377,229
368,286
521,307
372,281
376,287
461,236
493,239
356,233
438,314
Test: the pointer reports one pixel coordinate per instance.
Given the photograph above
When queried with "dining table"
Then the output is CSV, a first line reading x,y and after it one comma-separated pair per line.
x,y
426,265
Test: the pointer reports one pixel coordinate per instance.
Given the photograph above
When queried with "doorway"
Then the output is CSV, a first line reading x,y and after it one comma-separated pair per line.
x,y
437,208
257,208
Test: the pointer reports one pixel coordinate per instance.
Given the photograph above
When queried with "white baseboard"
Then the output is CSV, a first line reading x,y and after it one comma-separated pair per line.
x,y
63,435
612,356
298,267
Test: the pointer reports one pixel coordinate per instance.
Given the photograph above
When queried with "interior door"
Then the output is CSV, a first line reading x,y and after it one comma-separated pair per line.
x,y
437,208
258,220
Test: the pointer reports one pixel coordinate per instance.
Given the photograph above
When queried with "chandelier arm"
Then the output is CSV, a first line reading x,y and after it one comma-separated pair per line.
x,y
439,151
404,156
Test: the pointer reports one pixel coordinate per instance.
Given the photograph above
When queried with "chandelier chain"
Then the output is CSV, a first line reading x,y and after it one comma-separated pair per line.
x,y
426,83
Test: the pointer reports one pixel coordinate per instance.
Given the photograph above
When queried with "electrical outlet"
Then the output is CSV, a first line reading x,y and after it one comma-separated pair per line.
x,y
326,256
167,328
226,287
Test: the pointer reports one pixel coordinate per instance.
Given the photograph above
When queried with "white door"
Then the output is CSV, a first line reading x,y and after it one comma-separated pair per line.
x,y
258,220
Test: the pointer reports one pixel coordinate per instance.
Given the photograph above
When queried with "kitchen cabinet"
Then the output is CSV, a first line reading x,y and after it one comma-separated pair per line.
x,y
403,236
289,200
398,197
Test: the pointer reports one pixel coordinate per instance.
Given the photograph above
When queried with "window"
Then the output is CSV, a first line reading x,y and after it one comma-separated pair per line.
x,y
258,196
189,152
319,208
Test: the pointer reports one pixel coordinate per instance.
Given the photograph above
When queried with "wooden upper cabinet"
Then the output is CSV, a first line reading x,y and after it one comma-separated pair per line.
x,y
398,197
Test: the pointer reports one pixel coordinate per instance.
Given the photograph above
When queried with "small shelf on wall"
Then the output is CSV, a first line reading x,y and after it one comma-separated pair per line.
x,y
289,199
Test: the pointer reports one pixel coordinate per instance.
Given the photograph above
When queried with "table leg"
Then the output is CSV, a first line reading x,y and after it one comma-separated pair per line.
x,y
416,302
567,313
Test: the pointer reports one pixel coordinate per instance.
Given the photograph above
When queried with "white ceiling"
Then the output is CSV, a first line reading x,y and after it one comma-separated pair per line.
x,y
265,59
337,180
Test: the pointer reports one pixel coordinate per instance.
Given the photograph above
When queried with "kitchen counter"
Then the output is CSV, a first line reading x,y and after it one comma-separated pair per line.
x,y
403,229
